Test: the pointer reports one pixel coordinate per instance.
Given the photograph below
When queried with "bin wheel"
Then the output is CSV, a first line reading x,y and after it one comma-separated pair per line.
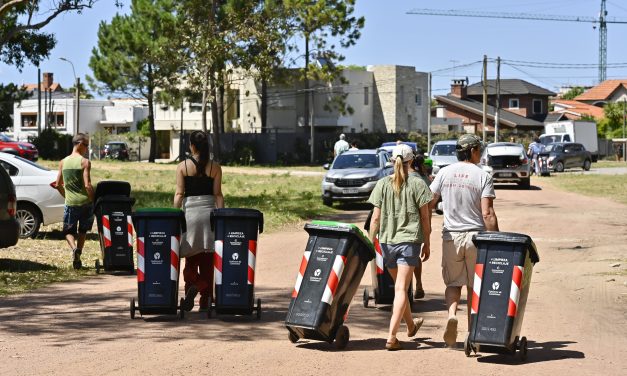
x,y
181,310
132,308
97,266
292,337
209,313
366,297
467,345
341,337
522,348
258,309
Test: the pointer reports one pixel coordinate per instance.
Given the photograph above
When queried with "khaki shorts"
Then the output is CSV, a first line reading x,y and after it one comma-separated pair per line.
x,y
459,255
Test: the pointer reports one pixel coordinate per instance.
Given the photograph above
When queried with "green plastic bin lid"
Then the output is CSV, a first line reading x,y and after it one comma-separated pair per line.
x,y
158,212
348,226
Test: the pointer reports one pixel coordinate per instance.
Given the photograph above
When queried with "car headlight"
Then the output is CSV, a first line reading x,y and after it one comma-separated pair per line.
x,y
22,147
371,178
329,180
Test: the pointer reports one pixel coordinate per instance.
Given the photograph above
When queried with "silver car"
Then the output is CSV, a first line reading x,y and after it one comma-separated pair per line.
x,y
443,153
508,163
353,175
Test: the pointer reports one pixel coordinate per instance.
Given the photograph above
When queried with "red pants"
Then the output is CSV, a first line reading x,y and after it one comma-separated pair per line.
x,y
198,271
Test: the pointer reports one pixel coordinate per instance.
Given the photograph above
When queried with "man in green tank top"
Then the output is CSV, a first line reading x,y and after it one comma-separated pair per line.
x,y
74,183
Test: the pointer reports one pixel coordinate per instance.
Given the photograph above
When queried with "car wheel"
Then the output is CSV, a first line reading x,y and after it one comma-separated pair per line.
x,y
29,219
586,165
559,166
327,201
525,183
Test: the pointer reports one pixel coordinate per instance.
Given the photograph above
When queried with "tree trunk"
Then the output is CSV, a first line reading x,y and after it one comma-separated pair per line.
x,y
306,122
151,118
264,105
205,92
221,106
214,116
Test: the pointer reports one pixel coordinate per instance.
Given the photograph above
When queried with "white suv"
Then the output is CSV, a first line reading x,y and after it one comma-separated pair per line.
x,y
508,163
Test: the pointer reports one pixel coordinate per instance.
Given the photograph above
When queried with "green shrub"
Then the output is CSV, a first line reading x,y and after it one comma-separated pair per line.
x,y
53,145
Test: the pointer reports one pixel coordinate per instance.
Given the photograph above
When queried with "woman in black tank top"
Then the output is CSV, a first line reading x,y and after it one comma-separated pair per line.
x,y
198,192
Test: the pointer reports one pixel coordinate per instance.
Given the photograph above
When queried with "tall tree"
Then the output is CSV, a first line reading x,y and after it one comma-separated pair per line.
x,y
573,92
320,23
84,92
9,94
21,21
136,54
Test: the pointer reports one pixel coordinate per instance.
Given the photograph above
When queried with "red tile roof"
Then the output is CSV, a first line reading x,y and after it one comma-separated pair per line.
x,y
54,87
577,108
602,91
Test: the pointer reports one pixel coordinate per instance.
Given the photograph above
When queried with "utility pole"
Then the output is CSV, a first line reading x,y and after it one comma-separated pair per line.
x,y
485,96
429,113
38,101
77,98
498,99
311,123
624,104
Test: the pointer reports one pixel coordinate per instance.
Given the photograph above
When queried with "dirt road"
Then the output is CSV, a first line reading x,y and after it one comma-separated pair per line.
x,y
576,318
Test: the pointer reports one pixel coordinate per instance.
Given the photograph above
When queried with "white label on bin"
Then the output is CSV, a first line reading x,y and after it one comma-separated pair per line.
x,y
316,278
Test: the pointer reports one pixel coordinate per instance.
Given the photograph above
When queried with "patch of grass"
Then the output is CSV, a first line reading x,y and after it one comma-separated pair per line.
x,y
609,164
607,186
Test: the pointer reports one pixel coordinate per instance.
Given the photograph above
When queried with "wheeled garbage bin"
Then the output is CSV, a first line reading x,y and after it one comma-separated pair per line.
x,y
543,159
501,285
158,239
330,272
235,255
382,282
113,208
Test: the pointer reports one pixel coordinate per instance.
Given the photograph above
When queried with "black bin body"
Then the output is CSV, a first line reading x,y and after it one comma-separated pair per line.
x,y
334,262
543,159
501,286
113,208
236,232
158,239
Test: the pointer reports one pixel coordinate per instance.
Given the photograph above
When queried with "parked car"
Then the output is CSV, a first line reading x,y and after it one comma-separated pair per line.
x,y
116,150
389,146
38,201
443,153
563,155
353,175
23,149
508,163
9,228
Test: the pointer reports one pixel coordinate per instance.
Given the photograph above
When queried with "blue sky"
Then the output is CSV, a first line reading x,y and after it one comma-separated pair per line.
x,y
429,43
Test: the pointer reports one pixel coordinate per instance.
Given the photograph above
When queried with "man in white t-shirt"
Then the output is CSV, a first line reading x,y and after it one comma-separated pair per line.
x,y
340,146
467,198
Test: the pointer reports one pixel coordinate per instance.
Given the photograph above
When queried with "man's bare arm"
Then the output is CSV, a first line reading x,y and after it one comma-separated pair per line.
x,y
434,201
59,183
489,216
87,179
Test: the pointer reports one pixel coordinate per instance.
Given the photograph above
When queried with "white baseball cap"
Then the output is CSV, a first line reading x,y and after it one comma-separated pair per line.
x,y
403,151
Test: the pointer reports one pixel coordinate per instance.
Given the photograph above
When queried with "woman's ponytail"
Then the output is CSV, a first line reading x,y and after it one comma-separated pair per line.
x,y
400,175
201,143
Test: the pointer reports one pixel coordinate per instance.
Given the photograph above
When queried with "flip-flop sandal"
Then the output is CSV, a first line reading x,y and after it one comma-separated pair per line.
x,y
417,324
188,301
450,334
393,346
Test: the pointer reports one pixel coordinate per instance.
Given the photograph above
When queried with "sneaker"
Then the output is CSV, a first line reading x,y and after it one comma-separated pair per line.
x,y
76,263
450,334
419,293
203,305
188,302
417,324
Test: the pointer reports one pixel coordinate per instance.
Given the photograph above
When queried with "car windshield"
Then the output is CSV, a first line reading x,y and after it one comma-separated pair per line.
x,y
554,148
32,163
5,138
550,139
444,150
356,161
116,147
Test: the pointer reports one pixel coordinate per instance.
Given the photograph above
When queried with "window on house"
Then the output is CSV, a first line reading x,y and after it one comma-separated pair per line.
x,y
401,94
418,96
537,106
195,107
514,103
29,121
366,95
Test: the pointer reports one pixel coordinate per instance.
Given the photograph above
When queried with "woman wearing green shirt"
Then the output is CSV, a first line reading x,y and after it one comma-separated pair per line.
x,y
401,221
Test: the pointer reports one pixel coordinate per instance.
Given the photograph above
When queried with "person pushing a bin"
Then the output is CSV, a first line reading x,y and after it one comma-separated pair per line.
x,y
198,191
401,221
467,196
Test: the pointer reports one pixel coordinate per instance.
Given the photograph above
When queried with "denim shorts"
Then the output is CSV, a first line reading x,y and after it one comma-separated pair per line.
x,y
79,218
401,254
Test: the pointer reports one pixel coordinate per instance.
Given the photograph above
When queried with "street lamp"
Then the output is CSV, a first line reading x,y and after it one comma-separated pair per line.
x,y
77,103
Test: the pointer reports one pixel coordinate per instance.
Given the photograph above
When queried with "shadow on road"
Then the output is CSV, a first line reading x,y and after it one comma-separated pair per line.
x,y
537,352
516,187
21,266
